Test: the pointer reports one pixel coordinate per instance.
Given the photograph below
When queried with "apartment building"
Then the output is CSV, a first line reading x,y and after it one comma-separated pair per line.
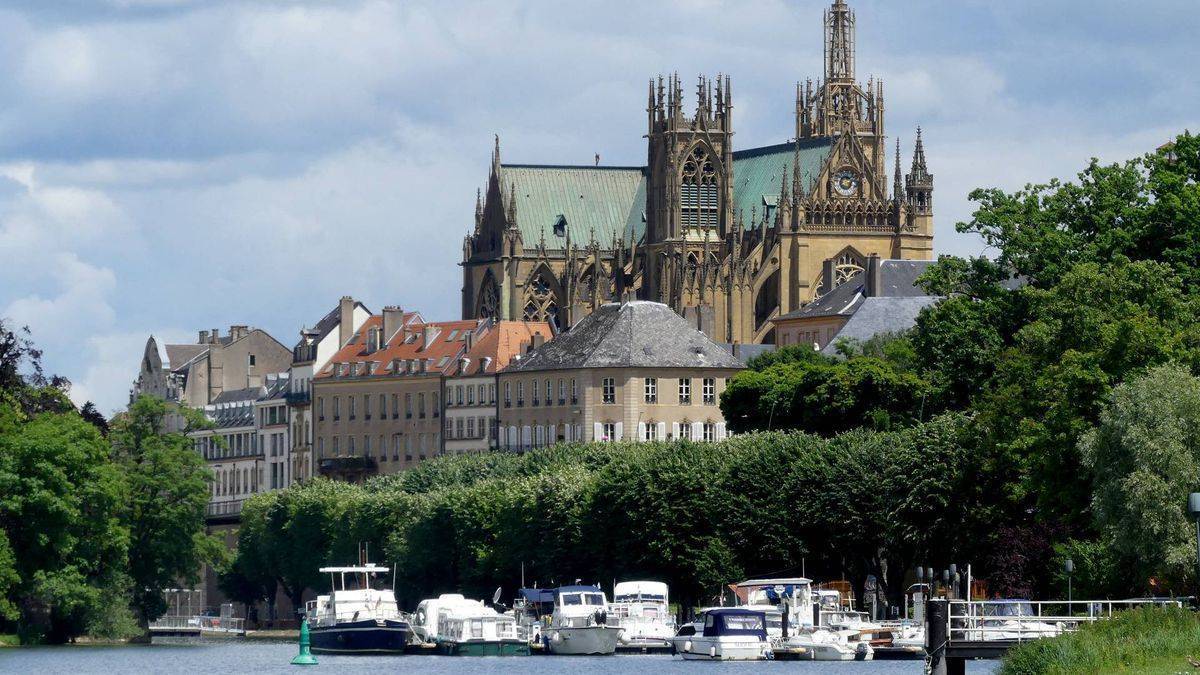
x,y
469,394
628,371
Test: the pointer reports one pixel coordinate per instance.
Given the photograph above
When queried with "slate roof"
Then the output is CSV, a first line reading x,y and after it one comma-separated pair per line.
x,y
897,280
239,395
881,315
179,356
636,334
611,201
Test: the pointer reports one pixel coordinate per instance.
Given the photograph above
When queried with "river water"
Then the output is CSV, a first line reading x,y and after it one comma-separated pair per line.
x,y
247,656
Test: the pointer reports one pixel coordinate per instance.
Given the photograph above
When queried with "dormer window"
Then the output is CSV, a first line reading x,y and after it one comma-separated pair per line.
x,y
560,226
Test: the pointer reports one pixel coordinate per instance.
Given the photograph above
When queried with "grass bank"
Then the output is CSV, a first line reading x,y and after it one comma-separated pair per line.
x,y
8,640
1145,640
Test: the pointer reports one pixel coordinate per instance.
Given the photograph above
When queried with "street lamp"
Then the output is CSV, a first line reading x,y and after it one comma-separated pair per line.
x,y
1069,568
1194,512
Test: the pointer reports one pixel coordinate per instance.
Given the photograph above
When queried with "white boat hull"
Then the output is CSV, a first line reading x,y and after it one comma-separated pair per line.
x,y
829,650
592,640
722,648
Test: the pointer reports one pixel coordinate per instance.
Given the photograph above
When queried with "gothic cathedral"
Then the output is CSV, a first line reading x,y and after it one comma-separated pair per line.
x,y
729,238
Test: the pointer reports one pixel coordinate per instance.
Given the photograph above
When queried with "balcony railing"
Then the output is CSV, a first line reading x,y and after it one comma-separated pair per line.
x,y
227,508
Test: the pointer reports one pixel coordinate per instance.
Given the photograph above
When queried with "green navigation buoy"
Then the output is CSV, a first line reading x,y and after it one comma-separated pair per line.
x,y
305,657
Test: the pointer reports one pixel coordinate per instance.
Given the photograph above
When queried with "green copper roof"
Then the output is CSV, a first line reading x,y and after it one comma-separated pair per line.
x,y
611,201
758,172
604,199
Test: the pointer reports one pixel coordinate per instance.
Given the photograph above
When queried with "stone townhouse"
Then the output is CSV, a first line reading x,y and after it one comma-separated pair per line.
x,y
634,371
470,389
312,352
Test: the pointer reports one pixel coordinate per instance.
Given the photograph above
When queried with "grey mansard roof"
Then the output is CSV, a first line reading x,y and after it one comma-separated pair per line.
x,y
629,335
881,315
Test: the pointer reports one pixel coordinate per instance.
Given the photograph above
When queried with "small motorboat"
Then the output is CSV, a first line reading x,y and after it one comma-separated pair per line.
x,y
726,634
579,624
461,627
356,618
641,610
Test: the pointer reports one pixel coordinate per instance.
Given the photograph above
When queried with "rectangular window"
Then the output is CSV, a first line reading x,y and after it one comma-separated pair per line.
x,y
366,406
491,393
335,446
651,390
471,395
350,445
251,360
458,428
685,431
574,392
520,394
421,405
685,391
470,427
449,428
366,446
320,447
408,406
610,431
351,406
562,391
459,394
710,432
436,408
507,394
321,408
710,390
395,406
610,390
337,409
651,433
549,392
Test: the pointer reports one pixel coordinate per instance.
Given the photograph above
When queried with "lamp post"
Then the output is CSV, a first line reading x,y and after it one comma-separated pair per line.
x,y
1194,512
1069,568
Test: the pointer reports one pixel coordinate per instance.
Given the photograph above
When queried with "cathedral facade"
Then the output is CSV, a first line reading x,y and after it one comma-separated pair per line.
x,y
730,239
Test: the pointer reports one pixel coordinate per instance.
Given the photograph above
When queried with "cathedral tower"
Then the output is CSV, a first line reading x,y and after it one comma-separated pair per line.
x,y
689,205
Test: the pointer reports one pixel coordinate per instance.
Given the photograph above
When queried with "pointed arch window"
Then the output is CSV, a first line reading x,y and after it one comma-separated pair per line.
x,y
489,299
845,268
540,303
699,201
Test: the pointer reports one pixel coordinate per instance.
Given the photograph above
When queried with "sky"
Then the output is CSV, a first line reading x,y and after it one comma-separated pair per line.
x,y
168,166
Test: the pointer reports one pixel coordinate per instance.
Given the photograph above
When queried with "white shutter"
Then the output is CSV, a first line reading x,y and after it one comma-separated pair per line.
x,y
675,430
662,431
526,436
579,432
641,432
598,432
697,431
553,435
512,437
720,431
619,434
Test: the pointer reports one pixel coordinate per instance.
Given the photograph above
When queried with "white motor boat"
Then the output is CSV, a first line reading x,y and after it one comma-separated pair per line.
x,y
797,622
356,618
579,624
1008,620
641,610
727,634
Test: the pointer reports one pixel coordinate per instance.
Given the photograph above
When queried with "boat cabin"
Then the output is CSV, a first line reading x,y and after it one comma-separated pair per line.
x,y
735,621
352,597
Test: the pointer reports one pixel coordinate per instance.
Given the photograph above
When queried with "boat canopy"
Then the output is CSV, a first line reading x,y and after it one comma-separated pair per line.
x,y
358,569
735,621
536,595
645,591
577,589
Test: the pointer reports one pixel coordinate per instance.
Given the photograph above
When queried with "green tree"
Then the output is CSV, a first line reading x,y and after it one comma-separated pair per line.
x,y
168,491
1145,459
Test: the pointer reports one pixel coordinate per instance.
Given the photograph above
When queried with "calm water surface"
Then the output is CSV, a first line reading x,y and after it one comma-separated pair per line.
x,y
272,657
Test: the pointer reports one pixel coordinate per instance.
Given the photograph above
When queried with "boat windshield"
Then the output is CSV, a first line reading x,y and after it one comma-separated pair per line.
x,y
1005,608
583,599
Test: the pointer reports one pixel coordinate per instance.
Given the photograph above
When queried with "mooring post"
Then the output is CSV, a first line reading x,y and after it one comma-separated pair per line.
x,y
937,628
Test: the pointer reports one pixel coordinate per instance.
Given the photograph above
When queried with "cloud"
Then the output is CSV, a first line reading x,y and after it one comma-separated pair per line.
x,y
171,164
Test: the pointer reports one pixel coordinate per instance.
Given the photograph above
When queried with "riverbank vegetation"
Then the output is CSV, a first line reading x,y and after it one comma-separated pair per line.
x,y
1162,640
95,519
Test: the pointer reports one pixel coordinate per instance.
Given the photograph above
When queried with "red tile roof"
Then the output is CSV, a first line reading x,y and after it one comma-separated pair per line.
x,y
502,342
405,351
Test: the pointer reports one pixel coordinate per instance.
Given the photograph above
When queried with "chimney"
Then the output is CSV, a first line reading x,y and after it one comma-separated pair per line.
x,y
372,340
392,317
428,334
826,276
484,363
214,336
874,277
237,332
464,364
203,338
345,320
538,340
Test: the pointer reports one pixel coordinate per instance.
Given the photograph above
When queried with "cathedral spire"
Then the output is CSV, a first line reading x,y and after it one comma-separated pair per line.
x,y
478,210
496,157
918,165
897,188
839,42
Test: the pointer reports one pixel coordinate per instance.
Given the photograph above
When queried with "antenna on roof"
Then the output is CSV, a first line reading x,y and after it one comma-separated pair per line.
x,y
597,159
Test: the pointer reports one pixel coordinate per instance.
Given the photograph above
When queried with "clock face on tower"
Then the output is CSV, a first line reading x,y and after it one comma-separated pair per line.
x,y
845,182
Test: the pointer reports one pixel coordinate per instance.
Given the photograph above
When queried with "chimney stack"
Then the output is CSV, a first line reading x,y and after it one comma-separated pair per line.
x,y
827,275
203,338
238,332
345,320
464,364
392,317
428,334
538,340
484,363
214,336
874,274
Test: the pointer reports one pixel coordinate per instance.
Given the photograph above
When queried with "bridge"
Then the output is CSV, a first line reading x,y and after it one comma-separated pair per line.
x,y
960,630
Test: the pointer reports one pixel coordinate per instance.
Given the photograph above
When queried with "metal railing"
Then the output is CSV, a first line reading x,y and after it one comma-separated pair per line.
x,y
227,508
1023,620
199,624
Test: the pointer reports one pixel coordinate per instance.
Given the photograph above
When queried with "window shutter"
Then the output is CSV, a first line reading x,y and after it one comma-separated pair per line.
x,y
512,437
662,431
526,436
641,431
597,432
553,435
674,429
620,432
720,431
697,431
